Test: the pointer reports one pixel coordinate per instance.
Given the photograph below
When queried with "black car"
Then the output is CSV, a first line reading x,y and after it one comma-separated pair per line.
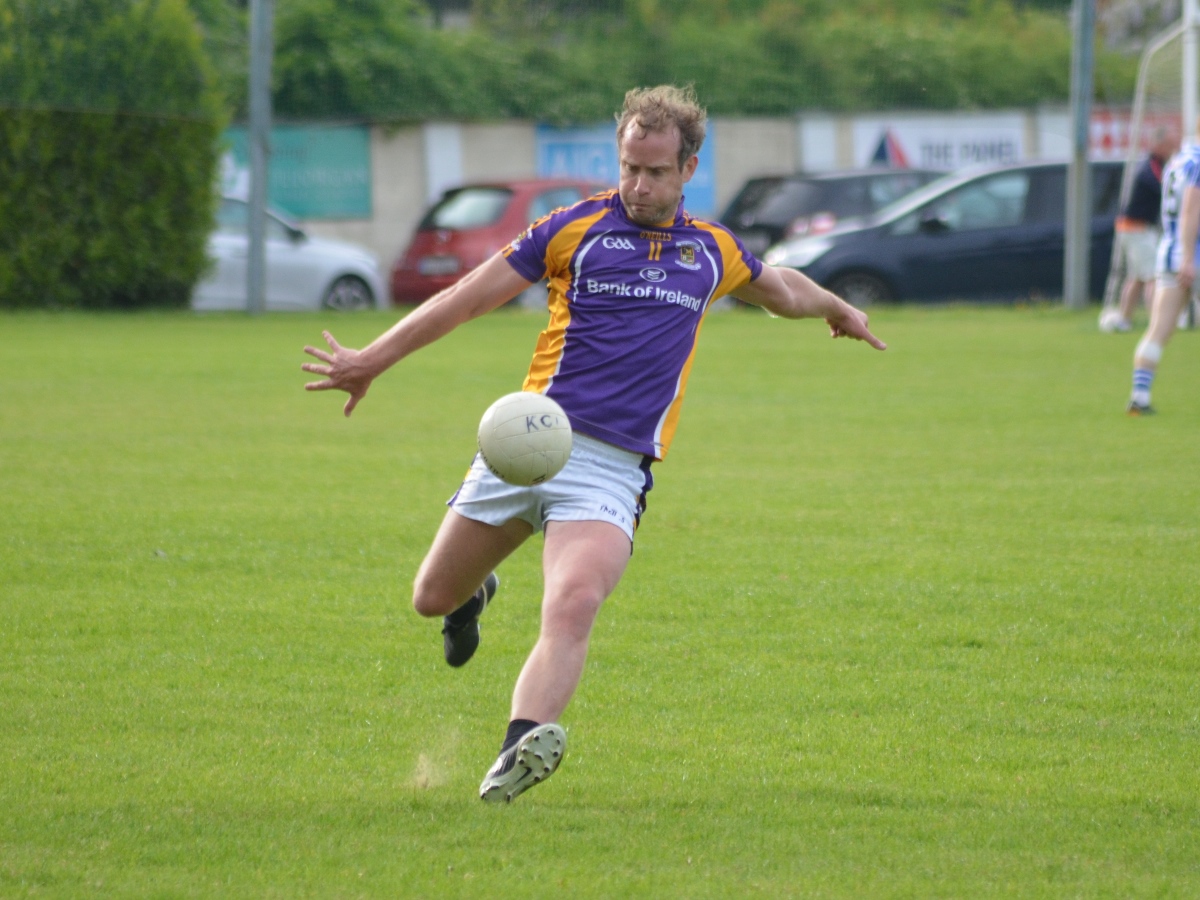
x,y
769,209
984,233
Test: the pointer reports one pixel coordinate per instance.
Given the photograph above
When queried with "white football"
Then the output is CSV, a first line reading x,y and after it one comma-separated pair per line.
x,y
525,438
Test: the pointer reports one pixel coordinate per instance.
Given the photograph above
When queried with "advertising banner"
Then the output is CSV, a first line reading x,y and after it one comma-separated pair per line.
x,y
315,172
939,142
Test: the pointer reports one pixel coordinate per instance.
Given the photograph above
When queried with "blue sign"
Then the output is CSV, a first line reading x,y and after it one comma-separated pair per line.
x,y
592,153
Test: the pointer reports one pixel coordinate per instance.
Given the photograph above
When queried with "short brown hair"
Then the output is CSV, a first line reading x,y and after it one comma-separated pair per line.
x,y
661,108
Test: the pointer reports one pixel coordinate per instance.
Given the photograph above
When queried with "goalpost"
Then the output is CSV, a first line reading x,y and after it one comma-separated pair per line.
x,y
1166,94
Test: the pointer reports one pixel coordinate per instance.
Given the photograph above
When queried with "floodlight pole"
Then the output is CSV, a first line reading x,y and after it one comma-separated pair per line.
x,y
1078,250
262,14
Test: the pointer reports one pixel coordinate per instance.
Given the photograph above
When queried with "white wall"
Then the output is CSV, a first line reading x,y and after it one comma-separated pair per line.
x,y
398,195
746,148
411,166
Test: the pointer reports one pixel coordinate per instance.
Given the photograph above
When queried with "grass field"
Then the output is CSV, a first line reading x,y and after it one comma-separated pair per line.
x,y
920,623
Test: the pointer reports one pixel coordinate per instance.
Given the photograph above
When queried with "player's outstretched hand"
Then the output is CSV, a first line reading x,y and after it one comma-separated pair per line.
x,y
852,323
342,371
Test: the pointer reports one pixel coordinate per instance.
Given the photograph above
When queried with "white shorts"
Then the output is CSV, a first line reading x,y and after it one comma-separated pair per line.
x,y
599,483
1168,280
1139,250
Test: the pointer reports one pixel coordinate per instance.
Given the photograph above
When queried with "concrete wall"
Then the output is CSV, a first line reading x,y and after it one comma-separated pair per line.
x,y
410,166
746,148
503,150
397,196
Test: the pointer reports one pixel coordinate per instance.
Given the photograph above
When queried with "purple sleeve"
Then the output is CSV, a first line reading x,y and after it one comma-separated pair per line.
x,y
753,263
748,259
527,253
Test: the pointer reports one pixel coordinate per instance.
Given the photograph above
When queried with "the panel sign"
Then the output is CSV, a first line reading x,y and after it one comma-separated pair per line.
x,y
315,172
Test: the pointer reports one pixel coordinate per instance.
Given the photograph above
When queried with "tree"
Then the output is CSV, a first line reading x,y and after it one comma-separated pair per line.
x,y
109,125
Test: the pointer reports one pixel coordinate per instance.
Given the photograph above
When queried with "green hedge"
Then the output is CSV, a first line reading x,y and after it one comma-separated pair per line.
x,y
378,60
108,153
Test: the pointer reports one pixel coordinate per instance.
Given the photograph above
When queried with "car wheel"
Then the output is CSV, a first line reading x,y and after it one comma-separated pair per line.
x,y
348,294
861,289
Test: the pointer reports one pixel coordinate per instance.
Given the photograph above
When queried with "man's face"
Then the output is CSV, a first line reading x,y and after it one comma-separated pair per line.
x,y
651,180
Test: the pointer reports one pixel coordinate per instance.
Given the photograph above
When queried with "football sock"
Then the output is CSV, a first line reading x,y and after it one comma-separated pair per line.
x,y
517,729
1142,380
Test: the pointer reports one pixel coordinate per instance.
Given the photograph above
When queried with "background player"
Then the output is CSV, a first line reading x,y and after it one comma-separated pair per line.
x,y
1176,270
631,276
1137,232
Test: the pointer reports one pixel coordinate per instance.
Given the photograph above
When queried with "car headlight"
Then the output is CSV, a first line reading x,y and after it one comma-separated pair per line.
x,y
798,254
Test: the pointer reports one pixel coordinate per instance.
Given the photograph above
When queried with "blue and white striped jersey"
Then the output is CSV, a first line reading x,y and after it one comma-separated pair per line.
x,y
1181,172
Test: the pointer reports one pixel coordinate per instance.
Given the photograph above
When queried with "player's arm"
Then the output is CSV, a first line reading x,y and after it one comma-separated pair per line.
x,y
793,295
479,292
1189,231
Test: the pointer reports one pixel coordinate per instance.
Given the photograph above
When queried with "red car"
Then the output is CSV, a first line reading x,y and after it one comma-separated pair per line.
x,y
469,224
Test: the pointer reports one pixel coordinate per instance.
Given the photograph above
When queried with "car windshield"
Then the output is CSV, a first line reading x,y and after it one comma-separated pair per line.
x,y
749,197
792,199
918,197
841,196
1104,194
545,203
233,216
994,202
467,208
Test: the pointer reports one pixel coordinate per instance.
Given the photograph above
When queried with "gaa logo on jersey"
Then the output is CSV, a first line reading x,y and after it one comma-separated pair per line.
x,y
617,243
687,255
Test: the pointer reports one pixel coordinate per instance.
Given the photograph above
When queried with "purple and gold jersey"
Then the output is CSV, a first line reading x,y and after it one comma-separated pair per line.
x,y
626,305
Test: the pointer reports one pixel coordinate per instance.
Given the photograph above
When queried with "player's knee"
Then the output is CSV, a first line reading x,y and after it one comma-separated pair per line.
x,y
571,613
1149,351
429,600
423,603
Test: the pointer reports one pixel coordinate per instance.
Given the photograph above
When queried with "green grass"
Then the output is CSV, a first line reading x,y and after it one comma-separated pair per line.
x,y
919,623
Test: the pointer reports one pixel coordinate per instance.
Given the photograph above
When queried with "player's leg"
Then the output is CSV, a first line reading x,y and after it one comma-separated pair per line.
x,y
1141,249
1131,292
582,563
1164,314
1112,313
457,578
464,552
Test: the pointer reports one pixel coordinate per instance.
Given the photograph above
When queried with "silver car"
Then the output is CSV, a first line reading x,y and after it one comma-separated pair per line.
x,y
303,272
